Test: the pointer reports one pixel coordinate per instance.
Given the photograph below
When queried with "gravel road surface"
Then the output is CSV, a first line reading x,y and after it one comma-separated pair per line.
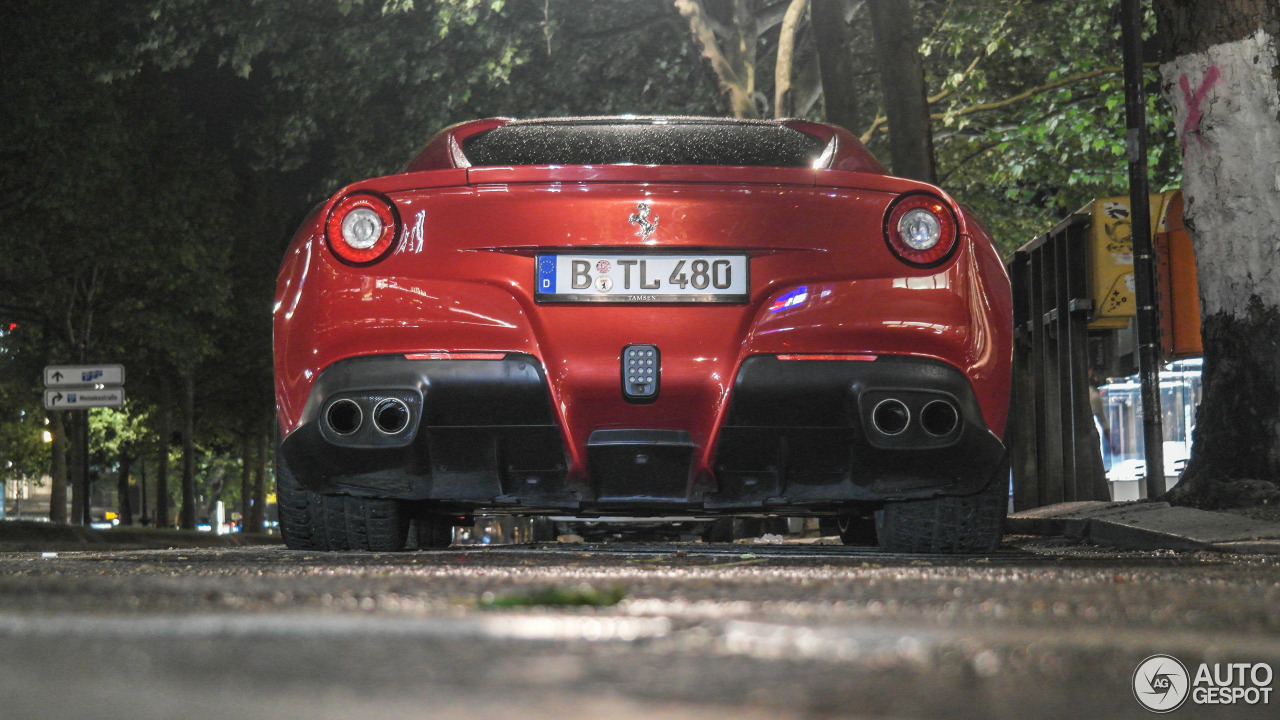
x,y
1041,629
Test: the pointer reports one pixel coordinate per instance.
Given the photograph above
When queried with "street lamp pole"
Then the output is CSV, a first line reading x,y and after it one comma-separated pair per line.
x,y
1144,270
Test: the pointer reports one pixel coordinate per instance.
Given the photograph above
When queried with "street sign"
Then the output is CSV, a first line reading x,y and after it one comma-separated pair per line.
x,y
83,398
80,375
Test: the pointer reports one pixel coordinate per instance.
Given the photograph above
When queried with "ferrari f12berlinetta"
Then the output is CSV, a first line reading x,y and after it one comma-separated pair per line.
x,y
641,317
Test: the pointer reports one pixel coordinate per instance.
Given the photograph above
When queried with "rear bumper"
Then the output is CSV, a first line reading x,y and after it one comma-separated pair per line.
x,y
796,434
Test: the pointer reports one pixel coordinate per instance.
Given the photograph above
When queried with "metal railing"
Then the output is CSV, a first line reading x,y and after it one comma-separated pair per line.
x,y
1054,445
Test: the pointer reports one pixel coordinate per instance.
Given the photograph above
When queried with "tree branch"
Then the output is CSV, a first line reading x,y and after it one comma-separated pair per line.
x,y
965,160
730,82
880,120
875,127
1071,80
964,76
782,68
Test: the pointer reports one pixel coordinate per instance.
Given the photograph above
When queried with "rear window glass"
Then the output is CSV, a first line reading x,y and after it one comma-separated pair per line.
x,y
643,143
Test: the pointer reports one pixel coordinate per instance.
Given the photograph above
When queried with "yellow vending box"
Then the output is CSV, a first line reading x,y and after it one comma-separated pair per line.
x,y
1111,284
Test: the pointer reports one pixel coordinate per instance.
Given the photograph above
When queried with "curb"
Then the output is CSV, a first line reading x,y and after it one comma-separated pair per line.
x,y
1148,526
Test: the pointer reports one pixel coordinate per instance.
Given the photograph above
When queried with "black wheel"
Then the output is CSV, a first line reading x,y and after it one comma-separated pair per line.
x,y
302,515
544,530
375,524
311,521
961,524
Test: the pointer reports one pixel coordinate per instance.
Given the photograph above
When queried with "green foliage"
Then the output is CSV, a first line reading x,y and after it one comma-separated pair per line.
x,y
23,452
1025,165
123,431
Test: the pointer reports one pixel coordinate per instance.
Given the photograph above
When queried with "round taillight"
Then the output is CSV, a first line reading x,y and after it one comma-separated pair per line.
x,y
920,229
362,228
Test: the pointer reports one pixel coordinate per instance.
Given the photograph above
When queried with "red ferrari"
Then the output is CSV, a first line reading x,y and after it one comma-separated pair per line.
x,y
641,317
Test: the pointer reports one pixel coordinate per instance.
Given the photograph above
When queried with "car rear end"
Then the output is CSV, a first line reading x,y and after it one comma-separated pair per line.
x,y
647,338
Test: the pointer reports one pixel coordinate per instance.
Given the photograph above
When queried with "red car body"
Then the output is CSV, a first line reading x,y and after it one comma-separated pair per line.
x,y
517,402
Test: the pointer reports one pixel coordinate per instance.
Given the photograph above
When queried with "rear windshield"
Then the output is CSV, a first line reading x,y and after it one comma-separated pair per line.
x,y
643,143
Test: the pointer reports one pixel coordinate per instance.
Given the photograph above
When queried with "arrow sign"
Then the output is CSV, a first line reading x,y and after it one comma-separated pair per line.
x,y
81,375
82,399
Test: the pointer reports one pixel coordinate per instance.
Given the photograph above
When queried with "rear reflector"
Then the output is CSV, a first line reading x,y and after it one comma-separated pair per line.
x,y
860,358
455,356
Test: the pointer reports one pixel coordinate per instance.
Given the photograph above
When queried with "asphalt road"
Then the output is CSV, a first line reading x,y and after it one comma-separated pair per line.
x,y
1042,629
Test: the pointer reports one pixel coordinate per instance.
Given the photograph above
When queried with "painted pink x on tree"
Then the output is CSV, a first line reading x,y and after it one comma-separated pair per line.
x,y
1194,102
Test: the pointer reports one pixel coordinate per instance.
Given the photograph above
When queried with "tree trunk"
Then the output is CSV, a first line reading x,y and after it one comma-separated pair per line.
x,y
902,83
835,63
162,456
258,511
76,457
1222,77
246,477
783,97
187,514
124,507
58,468
143,518
217,483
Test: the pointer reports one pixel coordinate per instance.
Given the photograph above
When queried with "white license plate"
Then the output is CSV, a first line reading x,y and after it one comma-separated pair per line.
x,y
642,278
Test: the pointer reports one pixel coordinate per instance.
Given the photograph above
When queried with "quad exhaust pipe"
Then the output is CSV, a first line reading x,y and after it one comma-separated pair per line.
x,y
391,416
346,417
939,418
892,417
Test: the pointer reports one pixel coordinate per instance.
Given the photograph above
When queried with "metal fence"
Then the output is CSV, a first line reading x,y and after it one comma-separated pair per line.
x,y
1054,444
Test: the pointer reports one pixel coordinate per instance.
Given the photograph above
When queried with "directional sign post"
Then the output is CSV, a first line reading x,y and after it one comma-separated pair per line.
x,y
81,375
83,398
80,387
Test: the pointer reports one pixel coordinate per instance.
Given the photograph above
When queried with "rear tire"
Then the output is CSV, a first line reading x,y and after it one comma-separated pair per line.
x,y
311,521
301,511
951,524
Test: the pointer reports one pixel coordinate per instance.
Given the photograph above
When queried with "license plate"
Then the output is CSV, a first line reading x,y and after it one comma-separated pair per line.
x,y
642,278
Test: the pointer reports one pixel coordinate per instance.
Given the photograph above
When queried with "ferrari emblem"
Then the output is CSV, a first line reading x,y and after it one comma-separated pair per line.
x,y
640,218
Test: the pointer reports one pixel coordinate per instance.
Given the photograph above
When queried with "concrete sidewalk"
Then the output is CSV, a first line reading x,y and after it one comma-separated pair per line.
x,y
1148,526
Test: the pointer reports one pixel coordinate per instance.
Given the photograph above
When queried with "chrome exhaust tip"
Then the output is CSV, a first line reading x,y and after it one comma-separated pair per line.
x,y
939,418
344,417
891,417
391,416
